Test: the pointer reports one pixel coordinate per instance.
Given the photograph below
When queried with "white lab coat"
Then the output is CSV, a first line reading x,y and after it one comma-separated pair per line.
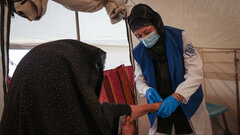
x,y
200,121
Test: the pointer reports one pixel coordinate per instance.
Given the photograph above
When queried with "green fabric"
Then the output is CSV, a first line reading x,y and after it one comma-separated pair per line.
x,y
214,109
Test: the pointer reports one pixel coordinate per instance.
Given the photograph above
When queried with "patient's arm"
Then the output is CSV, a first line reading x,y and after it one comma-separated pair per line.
x,y
140,110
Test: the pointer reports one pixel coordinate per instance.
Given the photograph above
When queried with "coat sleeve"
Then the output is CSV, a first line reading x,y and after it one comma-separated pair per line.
x,y
141,83
193,70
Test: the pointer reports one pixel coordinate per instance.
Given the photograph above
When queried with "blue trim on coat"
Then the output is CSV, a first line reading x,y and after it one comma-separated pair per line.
x,y
174,51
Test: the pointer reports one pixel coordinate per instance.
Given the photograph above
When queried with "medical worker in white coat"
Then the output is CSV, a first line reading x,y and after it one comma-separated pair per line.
x,y
168,70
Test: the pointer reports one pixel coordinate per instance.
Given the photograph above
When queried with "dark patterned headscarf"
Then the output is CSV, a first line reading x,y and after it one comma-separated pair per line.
x,y
55,90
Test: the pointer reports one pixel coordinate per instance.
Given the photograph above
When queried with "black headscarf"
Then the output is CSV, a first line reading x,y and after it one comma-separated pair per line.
x,y
143,13
55,90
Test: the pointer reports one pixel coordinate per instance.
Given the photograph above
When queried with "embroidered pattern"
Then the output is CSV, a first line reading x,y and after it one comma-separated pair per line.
x,y
190,50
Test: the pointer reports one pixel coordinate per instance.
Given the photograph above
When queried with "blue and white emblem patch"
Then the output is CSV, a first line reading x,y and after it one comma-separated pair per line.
x,y
190,50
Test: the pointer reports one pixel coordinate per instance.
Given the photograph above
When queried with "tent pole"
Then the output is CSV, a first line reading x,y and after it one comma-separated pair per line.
x,y
236,60
130,42
77,25
5,22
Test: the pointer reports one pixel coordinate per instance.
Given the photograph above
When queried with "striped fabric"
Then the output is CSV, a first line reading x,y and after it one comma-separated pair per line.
x,y
118,86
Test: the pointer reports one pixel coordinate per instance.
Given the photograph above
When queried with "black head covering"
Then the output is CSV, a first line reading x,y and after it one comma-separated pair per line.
x,y
144,13
54,91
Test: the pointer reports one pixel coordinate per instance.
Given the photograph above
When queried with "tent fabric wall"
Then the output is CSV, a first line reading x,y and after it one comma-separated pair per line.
x,y
59,23
219,84
209,24
35,9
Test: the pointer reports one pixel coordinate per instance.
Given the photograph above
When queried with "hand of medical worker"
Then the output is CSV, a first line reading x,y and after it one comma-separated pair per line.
x,y
169,105
153,96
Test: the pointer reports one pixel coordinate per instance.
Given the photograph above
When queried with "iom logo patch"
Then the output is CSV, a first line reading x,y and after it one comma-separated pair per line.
x,y
190,50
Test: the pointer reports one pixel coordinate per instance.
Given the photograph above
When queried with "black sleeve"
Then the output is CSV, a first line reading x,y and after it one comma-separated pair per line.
x,y
110,116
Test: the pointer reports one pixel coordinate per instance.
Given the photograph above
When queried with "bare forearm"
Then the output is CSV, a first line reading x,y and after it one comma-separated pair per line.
x,y
140,110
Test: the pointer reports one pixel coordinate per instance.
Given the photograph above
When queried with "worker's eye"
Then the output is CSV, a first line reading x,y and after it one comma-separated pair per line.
x,y
139,36
147,31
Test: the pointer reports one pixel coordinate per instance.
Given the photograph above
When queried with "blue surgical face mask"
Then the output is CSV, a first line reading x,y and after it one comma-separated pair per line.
x,y
150,40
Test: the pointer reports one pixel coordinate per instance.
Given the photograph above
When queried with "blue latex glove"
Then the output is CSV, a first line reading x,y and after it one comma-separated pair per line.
x,y
168,106
153,96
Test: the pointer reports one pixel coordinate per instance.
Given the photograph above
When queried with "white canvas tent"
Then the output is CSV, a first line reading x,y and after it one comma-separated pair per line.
x,y
213,26
59,23
210,24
